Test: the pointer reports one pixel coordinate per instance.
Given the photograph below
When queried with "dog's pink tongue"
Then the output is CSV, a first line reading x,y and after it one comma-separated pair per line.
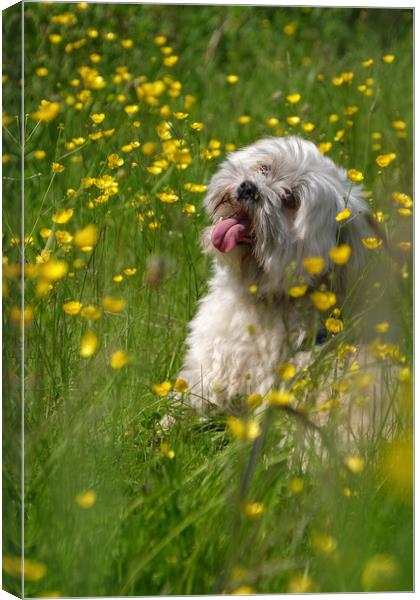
x,y
228,233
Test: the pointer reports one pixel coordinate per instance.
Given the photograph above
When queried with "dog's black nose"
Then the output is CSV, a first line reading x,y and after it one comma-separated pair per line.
x,y
247,191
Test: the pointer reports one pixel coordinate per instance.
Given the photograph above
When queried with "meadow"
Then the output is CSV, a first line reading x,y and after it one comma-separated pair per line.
x,y
128,109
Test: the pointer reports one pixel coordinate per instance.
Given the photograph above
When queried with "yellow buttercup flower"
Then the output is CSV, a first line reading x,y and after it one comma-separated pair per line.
x,y
45,233
55,38
308,127
115,161
371,243
293,98
324,147
388,58
119,359
180,115
334,325
166,450
382,327
286,371
323,300
189,209
254,400
290,28
53,270
384,160
232,79
86,499
57,167
170,61
297,291
62,216
47,111
279,398
296,485
247,430
97,118
355,463
131,109
89,344
189,101
164,131
351,110
367,63
405,212
73,307
162,389
160,40
110,36
314,264
292,121
323,543
113,304
399,125
355,175
63,237
86,237
403,199
195,187
180,386
341,254
380,216
254,510
91,313
404,375
42,71
343,215
169,197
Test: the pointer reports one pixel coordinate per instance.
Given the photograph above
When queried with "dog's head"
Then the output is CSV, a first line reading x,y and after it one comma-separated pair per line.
x,y
275,203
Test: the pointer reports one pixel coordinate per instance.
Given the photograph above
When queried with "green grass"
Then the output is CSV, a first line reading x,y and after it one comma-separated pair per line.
x,y
176,526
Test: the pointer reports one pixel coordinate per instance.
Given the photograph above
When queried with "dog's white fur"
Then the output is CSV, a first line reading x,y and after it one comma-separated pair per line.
x,y
238,338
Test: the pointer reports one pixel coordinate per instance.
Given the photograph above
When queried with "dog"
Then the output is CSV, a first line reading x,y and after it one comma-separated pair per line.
x,y
272,205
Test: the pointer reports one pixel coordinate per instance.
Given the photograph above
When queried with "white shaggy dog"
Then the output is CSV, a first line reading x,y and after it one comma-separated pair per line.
x,y
272,205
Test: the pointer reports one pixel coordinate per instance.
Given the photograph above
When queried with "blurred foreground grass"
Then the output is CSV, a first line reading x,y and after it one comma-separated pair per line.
x,y
128,110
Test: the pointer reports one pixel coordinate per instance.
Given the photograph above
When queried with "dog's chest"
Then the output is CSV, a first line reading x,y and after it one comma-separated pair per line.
x,y
236,342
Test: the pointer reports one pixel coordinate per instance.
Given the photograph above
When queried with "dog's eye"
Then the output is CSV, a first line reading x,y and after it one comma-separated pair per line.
x,y
264,169
289,200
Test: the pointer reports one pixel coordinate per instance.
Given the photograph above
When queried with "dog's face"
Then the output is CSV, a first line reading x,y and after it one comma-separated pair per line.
x,y
275,203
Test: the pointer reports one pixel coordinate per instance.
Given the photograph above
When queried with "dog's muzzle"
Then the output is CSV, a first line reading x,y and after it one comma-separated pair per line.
x,y
247,190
